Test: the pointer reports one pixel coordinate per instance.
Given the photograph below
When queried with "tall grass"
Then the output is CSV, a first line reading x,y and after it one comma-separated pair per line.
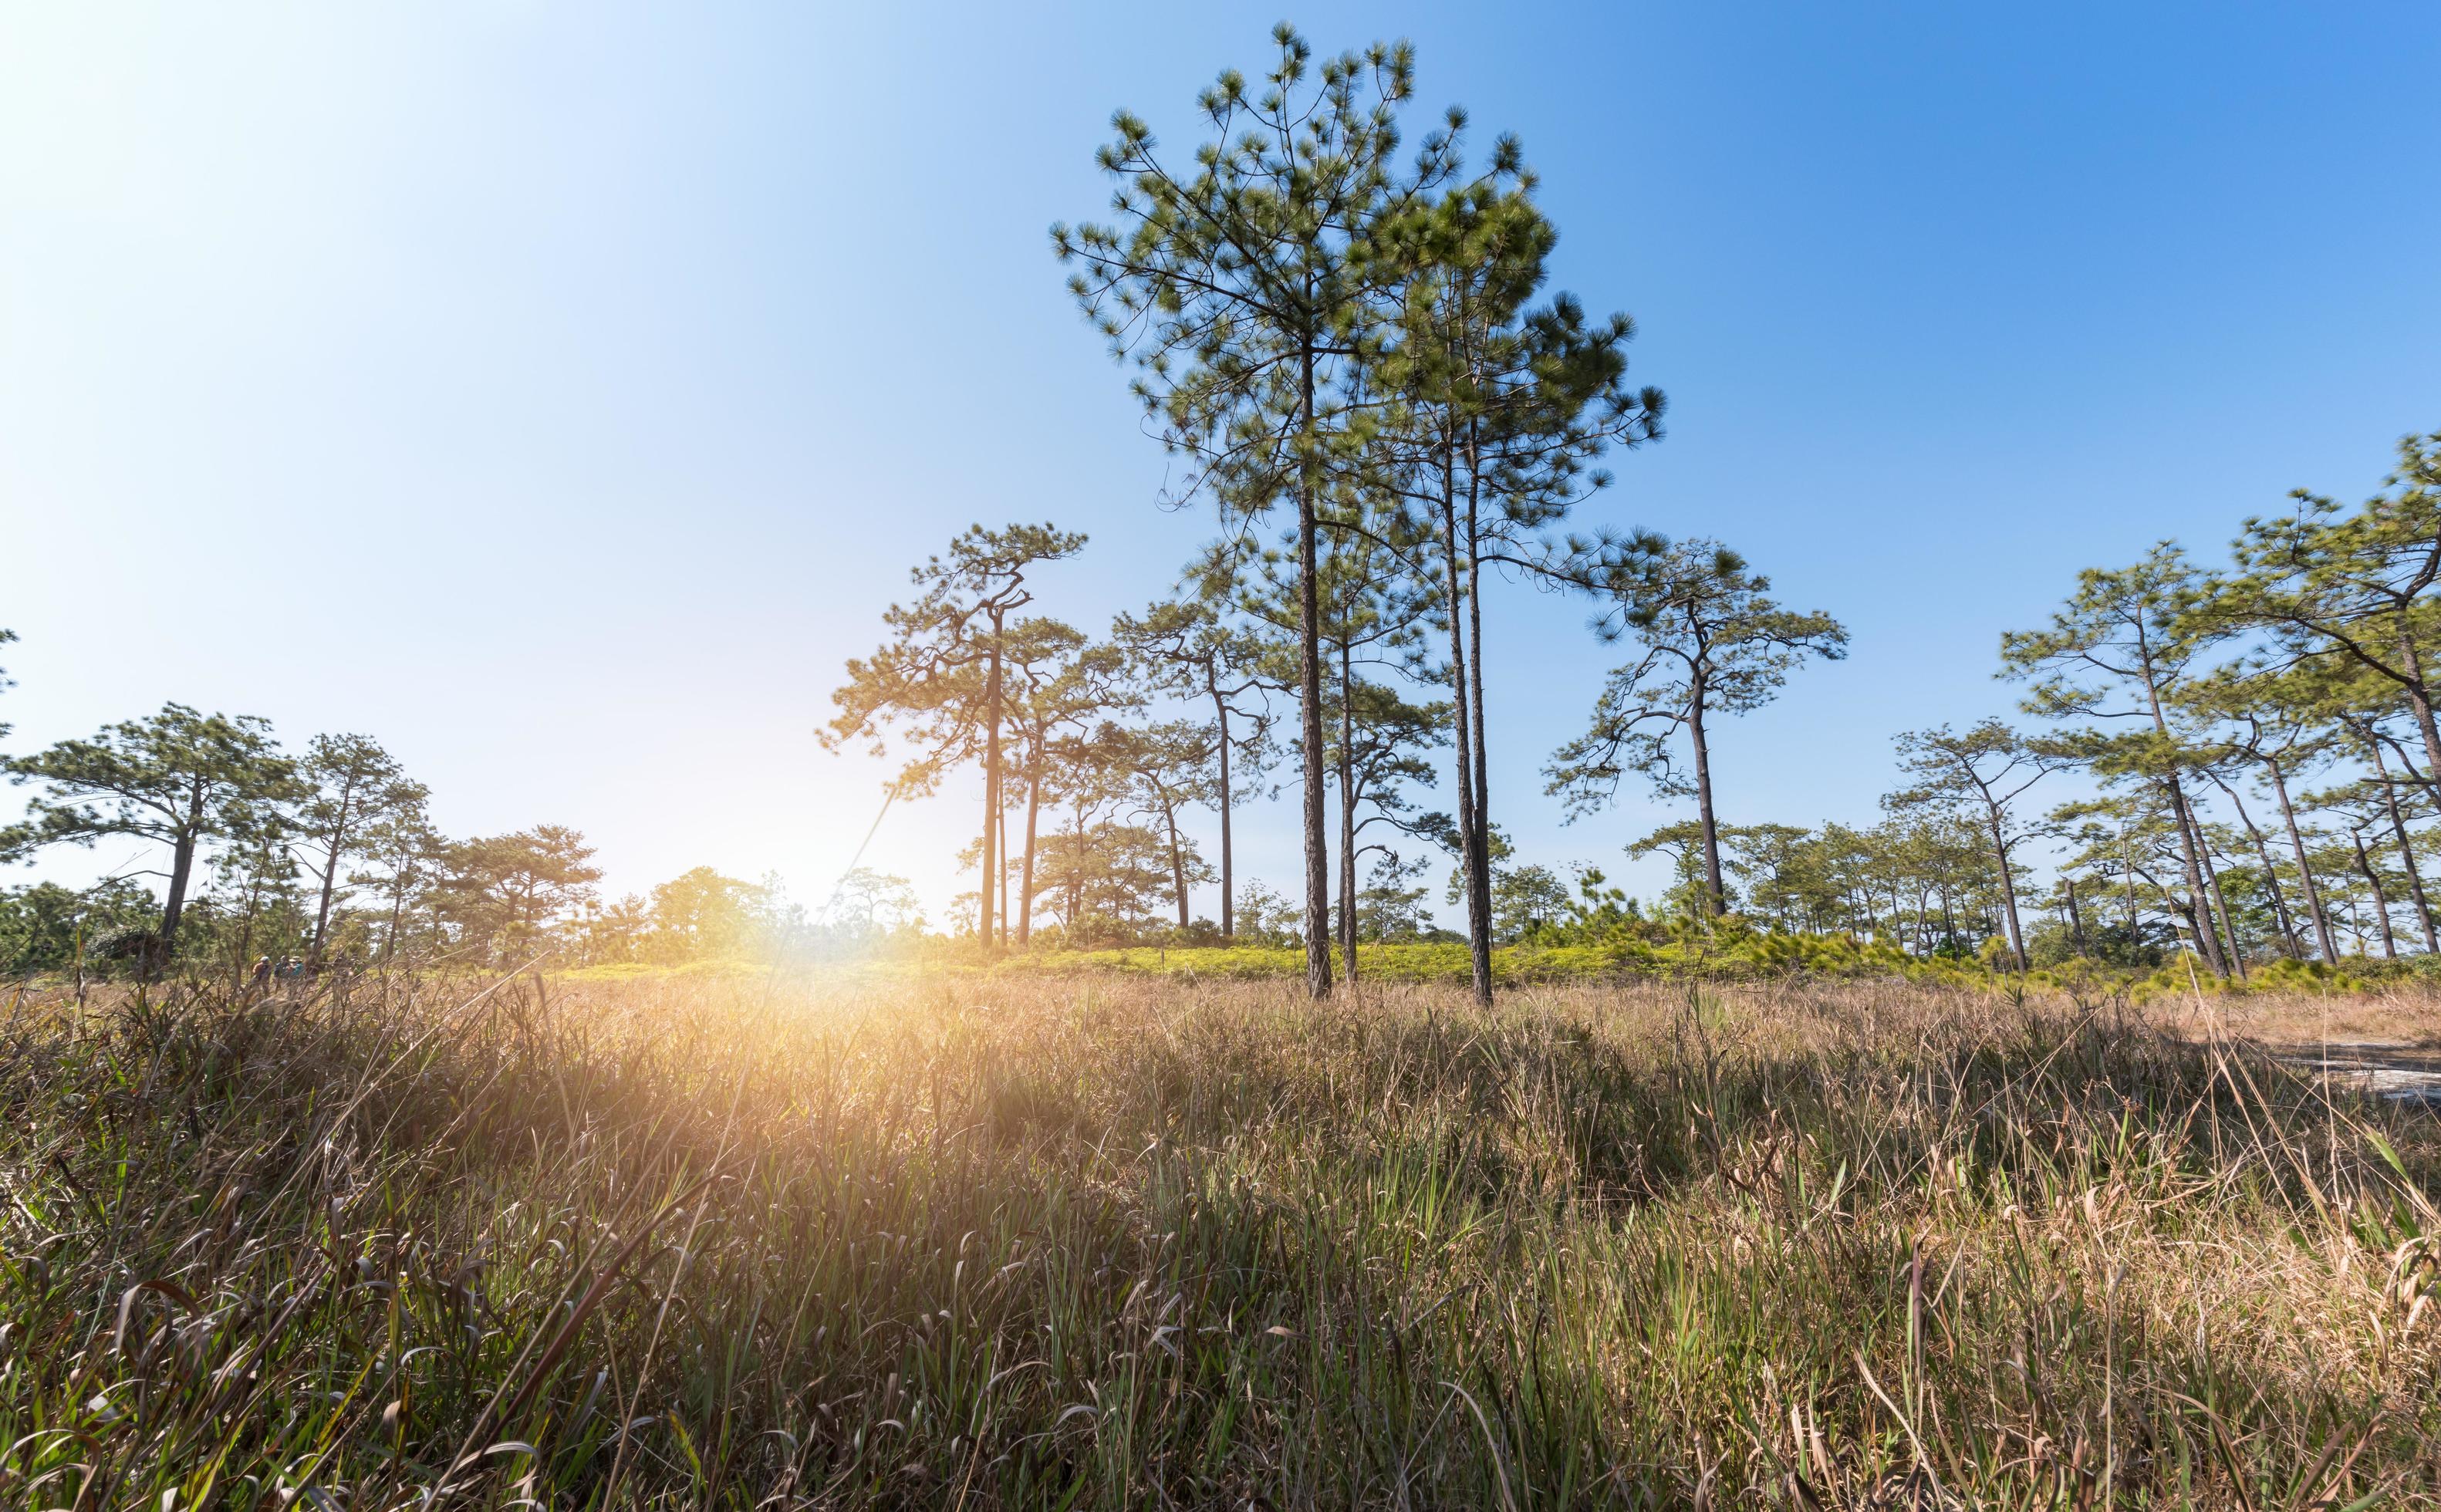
x,y
1104,1243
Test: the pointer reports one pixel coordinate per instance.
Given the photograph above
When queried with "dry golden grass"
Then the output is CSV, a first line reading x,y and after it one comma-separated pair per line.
x,y
835,1241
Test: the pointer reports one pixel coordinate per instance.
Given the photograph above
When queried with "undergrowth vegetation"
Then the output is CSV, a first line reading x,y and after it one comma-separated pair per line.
x,y
1748,955
1099,1242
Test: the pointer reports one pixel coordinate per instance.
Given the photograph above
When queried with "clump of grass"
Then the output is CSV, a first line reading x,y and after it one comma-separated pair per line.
x,y
838,1241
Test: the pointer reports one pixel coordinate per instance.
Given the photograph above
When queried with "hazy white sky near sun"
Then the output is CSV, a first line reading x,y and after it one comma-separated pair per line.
x,y
558,392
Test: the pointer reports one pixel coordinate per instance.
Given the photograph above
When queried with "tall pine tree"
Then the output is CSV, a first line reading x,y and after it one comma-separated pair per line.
x,y
1240,281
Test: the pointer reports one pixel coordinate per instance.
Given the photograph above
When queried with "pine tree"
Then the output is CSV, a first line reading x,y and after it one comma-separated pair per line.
x,y
2121,649
2356,593
1243,285
357,789
941,677
1982,771
1168,766
1185,647
1495,409
2266,719
509,890
1715,642
1058,683
1373,609
182,779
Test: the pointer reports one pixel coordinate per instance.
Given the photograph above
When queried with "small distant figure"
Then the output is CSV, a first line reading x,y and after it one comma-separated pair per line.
x,y
262,971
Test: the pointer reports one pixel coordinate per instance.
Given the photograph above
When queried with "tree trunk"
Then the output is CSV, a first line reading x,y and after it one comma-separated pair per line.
x,y
1228,879
1033,813
2294,947
2220,905
2208,944
991,792
182,866
1177,860
389,939
2189,832
2008,891
2381,901
2305,870
1715,895
322,907
1346,813
2183,911
1472,855
2076,917
2226,937
1317,854
2406,850
1073,891
2420,701
330,870
1481,882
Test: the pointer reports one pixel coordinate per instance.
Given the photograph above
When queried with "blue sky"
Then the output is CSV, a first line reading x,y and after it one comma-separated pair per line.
x,y
559,392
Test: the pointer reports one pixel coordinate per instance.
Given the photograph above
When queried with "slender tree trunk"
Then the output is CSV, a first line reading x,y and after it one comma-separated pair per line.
x,y
2381,901
397,907
2189,832
2207,942
1347,812
1000,872
1715,896
1033,813
2075,918
1317,854
1228,878
2304,869
2421,702
2294,947
1177,859
1480,883
1471,852
2008,891
323,906
2227,920
330,871
2406,850
2226,937
182,866
2182,910
991,792
1074,890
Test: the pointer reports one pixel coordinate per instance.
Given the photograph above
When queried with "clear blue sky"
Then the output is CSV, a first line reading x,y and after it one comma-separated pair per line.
x,y
558,392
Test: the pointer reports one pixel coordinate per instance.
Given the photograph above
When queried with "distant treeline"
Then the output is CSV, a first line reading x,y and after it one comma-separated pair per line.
x,y
2258,741
328,859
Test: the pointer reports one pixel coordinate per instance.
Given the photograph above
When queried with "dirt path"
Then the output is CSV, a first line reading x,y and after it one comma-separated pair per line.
x,y
2389,1068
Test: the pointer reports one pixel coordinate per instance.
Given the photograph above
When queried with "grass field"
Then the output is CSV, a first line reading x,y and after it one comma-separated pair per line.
x,y
1099,1241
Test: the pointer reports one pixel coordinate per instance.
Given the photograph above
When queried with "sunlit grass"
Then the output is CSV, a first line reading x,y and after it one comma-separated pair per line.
x,y
740,1240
